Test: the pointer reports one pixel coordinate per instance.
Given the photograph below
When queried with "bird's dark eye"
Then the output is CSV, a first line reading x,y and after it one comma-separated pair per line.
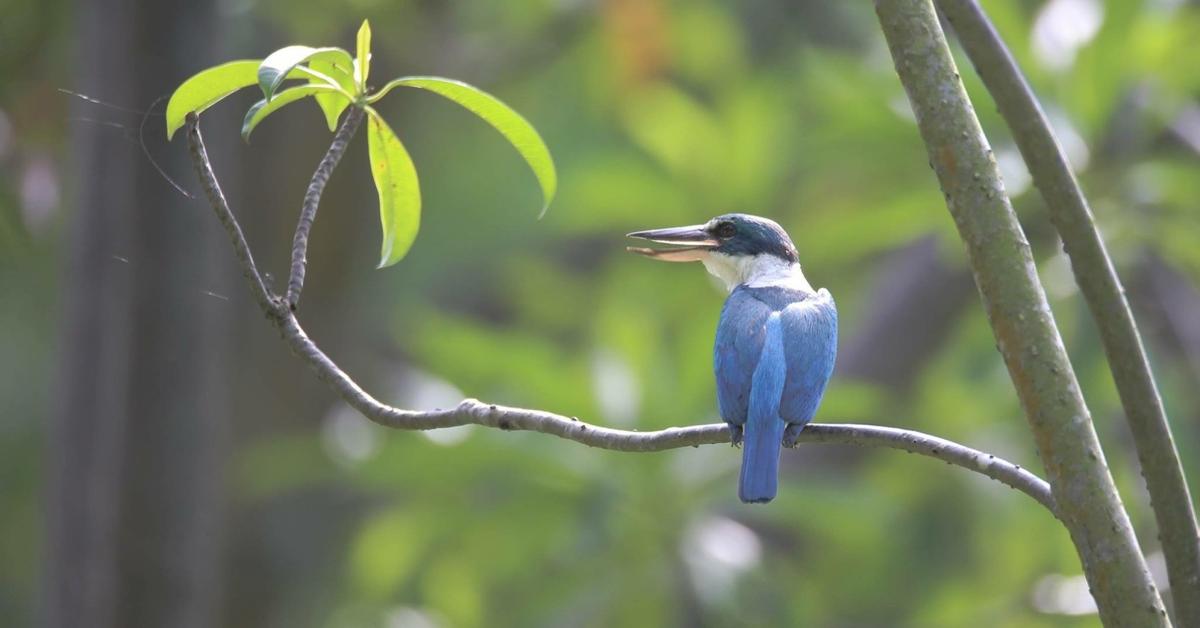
x,y
725,230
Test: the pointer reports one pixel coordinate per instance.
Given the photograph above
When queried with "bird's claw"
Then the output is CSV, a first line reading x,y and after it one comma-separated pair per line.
x,y
736,432
791,435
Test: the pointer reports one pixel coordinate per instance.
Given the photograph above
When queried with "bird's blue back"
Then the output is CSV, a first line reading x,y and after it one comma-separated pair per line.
x,y
774,353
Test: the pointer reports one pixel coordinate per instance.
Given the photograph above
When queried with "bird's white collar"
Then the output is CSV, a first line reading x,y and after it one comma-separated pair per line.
x,y
757,271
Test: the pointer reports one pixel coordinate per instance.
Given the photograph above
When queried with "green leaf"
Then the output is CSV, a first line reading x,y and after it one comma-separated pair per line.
x,y
363,65
263,108
511,125
339,67
399,192
206,88
279,66
356,87
337,60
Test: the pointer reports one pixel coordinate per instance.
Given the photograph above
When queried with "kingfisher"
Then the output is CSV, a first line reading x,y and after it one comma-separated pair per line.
x,y
776,339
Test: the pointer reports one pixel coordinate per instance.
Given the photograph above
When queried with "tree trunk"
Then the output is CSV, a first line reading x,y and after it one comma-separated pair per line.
x,y
1105,297
1025,331
134,482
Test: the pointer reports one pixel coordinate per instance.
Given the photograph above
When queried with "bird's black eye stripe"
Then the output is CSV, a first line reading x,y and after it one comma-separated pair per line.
x,y
725,230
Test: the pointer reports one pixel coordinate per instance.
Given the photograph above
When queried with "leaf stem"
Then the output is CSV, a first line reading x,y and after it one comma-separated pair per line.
x,y
304,69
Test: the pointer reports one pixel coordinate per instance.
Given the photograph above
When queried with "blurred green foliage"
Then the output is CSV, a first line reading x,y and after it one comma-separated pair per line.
x,y
658,113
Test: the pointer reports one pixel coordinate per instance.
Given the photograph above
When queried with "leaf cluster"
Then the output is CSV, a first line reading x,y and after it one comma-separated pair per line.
x,y
335,80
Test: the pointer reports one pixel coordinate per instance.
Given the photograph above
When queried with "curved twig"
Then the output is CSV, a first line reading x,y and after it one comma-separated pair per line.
x,y
312,198
1101,288
220,206
471,411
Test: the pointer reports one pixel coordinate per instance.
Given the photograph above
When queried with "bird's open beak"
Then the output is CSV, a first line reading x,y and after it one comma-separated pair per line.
x,y
691,243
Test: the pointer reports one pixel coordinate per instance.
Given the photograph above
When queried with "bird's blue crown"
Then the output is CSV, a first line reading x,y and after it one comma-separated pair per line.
x,y
744,234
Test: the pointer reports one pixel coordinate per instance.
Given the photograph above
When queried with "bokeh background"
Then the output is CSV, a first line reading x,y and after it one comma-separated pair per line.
x,y
165,461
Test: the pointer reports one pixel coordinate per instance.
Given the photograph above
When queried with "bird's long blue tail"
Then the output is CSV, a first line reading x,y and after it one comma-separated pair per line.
x,y
764,427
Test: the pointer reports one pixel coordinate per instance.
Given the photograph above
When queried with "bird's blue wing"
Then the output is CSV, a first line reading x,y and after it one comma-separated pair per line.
x,y
736,352
810,347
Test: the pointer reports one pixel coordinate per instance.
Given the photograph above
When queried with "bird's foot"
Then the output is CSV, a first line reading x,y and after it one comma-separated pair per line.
x,y
791,435
736,432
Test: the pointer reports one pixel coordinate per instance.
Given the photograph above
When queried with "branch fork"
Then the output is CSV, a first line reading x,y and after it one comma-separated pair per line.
x,y
280,310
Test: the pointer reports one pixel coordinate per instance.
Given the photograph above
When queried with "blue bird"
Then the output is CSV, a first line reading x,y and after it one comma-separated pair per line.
x,y
776,339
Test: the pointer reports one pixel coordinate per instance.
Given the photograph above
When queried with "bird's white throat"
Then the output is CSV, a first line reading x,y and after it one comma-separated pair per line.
x,y
756,271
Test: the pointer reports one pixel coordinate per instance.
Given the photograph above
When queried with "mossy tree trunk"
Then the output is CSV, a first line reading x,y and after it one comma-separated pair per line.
x,y
1026,334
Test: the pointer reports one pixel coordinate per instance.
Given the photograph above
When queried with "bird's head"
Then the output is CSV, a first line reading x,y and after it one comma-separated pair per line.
x,y
733,235
734,247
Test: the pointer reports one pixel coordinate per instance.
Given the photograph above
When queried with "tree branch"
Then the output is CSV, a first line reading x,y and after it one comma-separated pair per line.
x,y
312,198
216,198
472,411
1101,287
1020,316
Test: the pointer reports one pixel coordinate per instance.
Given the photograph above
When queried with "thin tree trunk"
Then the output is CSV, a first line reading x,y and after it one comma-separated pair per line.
x,y
134,480
1105,297
1025,331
